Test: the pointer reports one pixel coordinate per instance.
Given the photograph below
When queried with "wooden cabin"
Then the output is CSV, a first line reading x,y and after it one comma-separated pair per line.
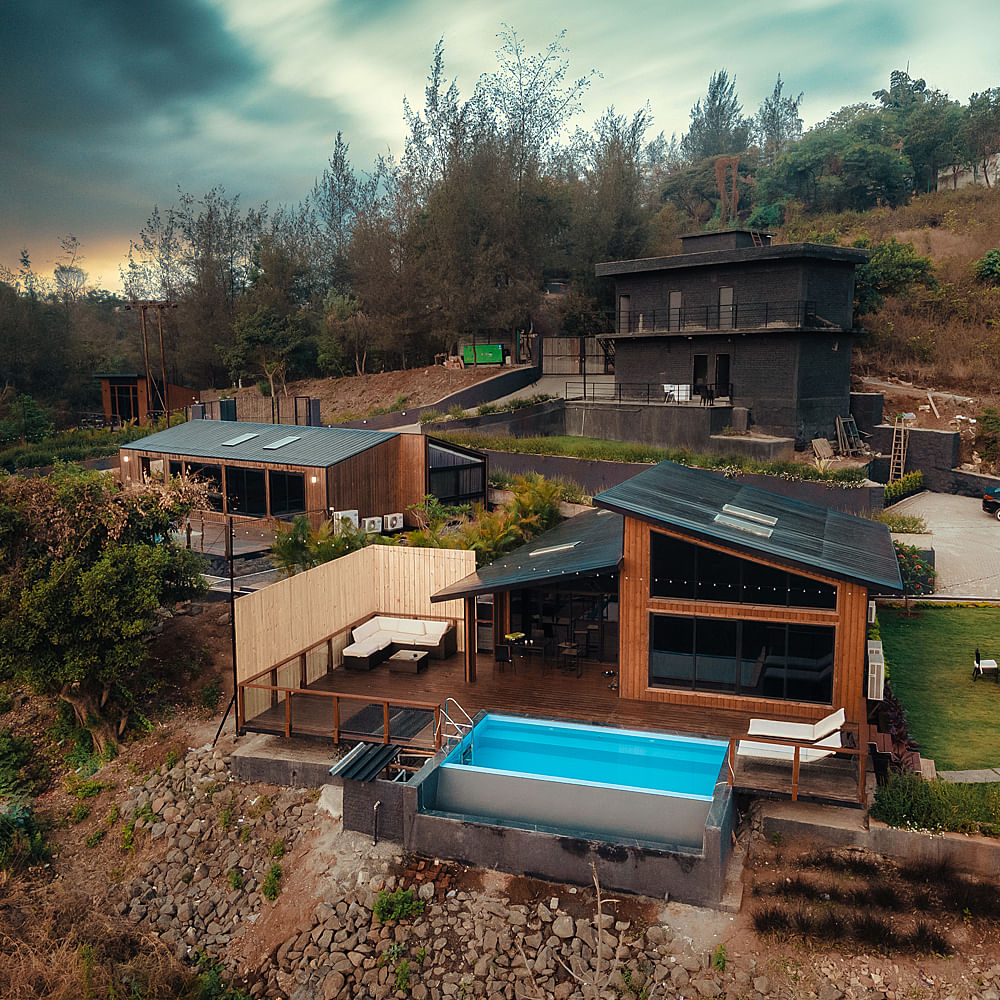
x,y
735,597
709,593
279,470
131,398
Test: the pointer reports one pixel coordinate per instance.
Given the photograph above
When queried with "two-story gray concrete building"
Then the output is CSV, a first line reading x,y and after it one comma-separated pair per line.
x,y
738,321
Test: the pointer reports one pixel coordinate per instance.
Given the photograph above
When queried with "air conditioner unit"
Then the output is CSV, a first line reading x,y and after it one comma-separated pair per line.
x,y
393,522
876,671
373,525
871,612
339,516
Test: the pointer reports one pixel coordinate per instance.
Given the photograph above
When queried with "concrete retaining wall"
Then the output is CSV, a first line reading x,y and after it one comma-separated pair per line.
x,y
482,392
976,855
545,419
359,808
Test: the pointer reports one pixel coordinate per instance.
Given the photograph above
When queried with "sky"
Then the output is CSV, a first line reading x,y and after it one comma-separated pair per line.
x,y
110,106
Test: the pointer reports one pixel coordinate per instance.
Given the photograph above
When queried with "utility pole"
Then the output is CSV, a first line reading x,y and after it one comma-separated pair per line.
x,y
140,306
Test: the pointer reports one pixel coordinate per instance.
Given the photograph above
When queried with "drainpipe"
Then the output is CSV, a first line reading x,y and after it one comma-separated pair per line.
x,y
378,802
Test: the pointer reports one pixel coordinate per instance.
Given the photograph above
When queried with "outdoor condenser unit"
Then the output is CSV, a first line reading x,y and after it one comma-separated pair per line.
x,y
373,525
337,516
393,522
876,670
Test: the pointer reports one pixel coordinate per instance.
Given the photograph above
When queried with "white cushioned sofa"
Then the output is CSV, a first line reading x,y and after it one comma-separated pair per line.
x,y
378,638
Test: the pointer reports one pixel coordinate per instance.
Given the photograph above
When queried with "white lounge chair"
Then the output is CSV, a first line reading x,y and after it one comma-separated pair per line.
x,y
823,738
984,667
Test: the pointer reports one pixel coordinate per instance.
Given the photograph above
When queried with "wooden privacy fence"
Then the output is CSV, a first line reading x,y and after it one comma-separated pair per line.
x,y
299,626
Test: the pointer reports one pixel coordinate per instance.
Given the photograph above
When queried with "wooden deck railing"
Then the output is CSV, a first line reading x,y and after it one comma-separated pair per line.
x,y
798,746
337,697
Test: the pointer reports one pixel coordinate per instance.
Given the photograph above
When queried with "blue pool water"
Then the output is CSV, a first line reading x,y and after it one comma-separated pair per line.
x,y
592,755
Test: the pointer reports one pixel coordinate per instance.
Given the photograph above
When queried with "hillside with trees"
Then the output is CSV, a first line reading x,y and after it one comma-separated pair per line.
x,y
500,190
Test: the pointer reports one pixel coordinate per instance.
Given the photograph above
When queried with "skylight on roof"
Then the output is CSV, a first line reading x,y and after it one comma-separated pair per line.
x,y
281,442
750,515
232,442
743,525
554,548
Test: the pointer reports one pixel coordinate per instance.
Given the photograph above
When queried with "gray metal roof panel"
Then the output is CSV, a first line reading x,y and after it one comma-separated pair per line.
x,y
587,543
316,447
706,258
816,538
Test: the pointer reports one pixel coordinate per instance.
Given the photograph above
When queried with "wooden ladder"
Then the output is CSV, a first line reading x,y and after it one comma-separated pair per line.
x,y
758,240
848,437
900,437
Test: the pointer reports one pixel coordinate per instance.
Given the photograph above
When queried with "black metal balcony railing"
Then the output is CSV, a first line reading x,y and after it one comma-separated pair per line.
x,y
740,316
704,394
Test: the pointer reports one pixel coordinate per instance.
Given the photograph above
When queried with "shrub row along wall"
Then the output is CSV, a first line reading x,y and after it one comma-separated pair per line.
x,y
291,615
594,475
482,392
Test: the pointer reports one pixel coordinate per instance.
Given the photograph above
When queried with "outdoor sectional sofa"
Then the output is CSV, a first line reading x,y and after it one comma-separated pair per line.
x,y
378,638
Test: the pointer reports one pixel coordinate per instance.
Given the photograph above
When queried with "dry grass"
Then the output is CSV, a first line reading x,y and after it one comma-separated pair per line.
x,y
55,943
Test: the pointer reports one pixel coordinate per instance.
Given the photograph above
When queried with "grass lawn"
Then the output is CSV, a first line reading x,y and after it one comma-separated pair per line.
x,y
956,721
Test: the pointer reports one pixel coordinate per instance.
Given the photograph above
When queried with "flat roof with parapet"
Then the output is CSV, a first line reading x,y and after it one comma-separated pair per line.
x,y
713,507
706,258
280,444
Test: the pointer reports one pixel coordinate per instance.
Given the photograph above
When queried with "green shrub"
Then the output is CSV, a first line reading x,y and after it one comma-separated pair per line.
x,y
905,524
6,701
171,758
429,416
78,813
235,879
909,801
397,905
20,774
456,412
210,695
987,268
403,976
22,839
917,573
912,482
95,838
270,888
988,436
278,849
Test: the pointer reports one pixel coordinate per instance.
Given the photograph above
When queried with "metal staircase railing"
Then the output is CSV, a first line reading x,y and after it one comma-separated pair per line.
x,y
452,730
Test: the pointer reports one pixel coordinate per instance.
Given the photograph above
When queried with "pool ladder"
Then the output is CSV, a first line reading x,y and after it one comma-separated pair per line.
x,y
452,725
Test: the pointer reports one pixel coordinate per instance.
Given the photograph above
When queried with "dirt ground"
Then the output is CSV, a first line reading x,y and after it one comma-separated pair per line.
x,y
355,396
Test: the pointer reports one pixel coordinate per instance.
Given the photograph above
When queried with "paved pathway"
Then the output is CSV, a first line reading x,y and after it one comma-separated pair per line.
x,y
966,544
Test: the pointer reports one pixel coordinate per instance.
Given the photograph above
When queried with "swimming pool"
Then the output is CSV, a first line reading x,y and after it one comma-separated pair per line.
x,y
587,781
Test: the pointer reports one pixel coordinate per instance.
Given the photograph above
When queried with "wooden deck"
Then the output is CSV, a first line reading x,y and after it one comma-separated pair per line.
x,y
536,689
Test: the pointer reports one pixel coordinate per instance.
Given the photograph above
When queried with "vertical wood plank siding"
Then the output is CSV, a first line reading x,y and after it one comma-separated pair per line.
x,y
849,619
298,613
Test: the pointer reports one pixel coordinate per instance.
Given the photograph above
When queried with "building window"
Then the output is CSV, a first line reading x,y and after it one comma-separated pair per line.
x,y
680,569
288,492
211,475
675,311
455,477
245,491
176,470
773,660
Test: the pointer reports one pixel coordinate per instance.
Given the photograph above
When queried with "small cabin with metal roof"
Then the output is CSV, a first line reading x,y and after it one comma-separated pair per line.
x,y
280,470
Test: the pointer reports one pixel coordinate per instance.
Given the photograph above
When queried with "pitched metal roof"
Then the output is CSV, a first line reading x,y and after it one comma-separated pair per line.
x,y
815,538
587,543
317,447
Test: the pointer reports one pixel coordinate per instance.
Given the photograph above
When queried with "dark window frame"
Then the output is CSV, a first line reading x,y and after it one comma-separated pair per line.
x,y
689,555
750,677
278,481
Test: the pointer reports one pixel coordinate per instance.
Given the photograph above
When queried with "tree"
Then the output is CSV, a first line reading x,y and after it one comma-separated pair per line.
x,y
980,131
931,138
777,123
84,566
891,269
717,125
70,279
264,342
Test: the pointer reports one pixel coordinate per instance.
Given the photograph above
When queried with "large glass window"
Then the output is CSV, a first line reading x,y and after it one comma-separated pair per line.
x,y
774,660
288,492
211,475
681,569
245,491
454,477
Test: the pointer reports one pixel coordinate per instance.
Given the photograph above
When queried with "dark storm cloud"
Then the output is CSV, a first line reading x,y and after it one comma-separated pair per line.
x,y
74,67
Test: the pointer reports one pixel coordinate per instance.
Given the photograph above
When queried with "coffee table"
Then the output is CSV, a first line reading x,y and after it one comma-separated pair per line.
x,y
408,661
